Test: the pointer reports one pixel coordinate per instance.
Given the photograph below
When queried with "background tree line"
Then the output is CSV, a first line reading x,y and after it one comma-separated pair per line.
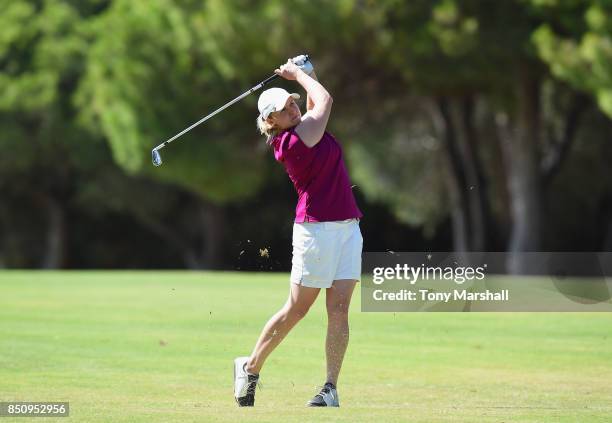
x,y
467,125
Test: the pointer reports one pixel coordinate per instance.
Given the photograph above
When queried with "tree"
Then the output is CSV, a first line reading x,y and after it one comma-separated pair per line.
x,y
141,87
40,51
450,53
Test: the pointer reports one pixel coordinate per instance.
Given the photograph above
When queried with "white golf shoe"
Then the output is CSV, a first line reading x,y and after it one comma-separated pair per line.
x,y
244,383
327,397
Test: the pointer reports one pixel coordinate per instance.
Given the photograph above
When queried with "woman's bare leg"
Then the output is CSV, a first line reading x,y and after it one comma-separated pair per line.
x,y
279,325
338,301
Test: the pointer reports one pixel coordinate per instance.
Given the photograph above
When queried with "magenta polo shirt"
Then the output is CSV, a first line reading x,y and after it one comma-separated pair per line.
x,y
319,177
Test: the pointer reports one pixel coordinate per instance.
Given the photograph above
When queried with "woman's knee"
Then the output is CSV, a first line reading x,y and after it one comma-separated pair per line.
x,y
296,311
338,311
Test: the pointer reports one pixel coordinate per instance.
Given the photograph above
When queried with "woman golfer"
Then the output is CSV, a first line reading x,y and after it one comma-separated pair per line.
x,y
327,242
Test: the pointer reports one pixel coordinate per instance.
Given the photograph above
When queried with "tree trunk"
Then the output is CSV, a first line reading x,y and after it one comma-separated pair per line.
x,y
4,225
480,213
521,153
456,178
53,254
213,228
466,180
557,154
604,221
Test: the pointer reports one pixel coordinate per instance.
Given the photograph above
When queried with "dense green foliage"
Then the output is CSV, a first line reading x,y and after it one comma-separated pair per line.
x,y
484,125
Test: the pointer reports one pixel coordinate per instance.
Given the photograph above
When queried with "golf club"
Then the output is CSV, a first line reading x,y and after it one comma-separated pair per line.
x,y
157,160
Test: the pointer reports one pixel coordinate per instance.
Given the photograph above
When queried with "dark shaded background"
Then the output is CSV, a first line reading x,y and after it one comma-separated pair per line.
x,y
466,125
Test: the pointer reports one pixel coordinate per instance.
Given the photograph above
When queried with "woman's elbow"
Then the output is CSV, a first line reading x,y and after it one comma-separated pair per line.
x,y
327,101
322,106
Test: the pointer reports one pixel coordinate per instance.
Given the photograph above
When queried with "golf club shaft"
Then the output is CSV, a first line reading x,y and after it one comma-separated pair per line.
x,y
205,118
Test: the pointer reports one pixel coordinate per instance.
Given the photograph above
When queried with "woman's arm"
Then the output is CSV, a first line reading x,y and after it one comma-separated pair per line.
x,y
313,123
309,102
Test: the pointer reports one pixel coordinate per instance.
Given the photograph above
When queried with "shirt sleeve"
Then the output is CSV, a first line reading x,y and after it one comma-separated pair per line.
x,y
294,154
289,147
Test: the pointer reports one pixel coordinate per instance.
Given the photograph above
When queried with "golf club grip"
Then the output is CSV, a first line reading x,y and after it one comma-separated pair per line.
x,y
271,78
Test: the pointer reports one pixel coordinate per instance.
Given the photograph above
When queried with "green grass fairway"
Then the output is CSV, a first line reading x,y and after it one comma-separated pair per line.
x,y
159,347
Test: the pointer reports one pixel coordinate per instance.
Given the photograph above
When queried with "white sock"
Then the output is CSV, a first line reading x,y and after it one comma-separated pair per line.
x,y
247,372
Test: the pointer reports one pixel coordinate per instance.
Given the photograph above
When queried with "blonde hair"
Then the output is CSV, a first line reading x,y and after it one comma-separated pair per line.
x,y
267,129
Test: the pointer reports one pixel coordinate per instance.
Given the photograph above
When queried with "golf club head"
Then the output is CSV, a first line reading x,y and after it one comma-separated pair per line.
x,y
157,160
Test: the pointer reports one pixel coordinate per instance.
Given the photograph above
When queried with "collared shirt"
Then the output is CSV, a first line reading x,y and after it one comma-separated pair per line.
x,y
319,176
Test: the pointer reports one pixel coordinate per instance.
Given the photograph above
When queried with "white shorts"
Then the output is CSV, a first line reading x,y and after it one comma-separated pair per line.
x,y
326,251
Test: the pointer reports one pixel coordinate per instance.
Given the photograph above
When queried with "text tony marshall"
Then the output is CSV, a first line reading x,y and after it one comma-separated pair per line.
x,y
426,295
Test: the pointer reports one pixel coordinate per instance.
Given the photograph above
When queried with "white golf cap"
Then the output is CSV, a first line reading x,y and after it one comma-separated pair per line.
x,y
273,100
